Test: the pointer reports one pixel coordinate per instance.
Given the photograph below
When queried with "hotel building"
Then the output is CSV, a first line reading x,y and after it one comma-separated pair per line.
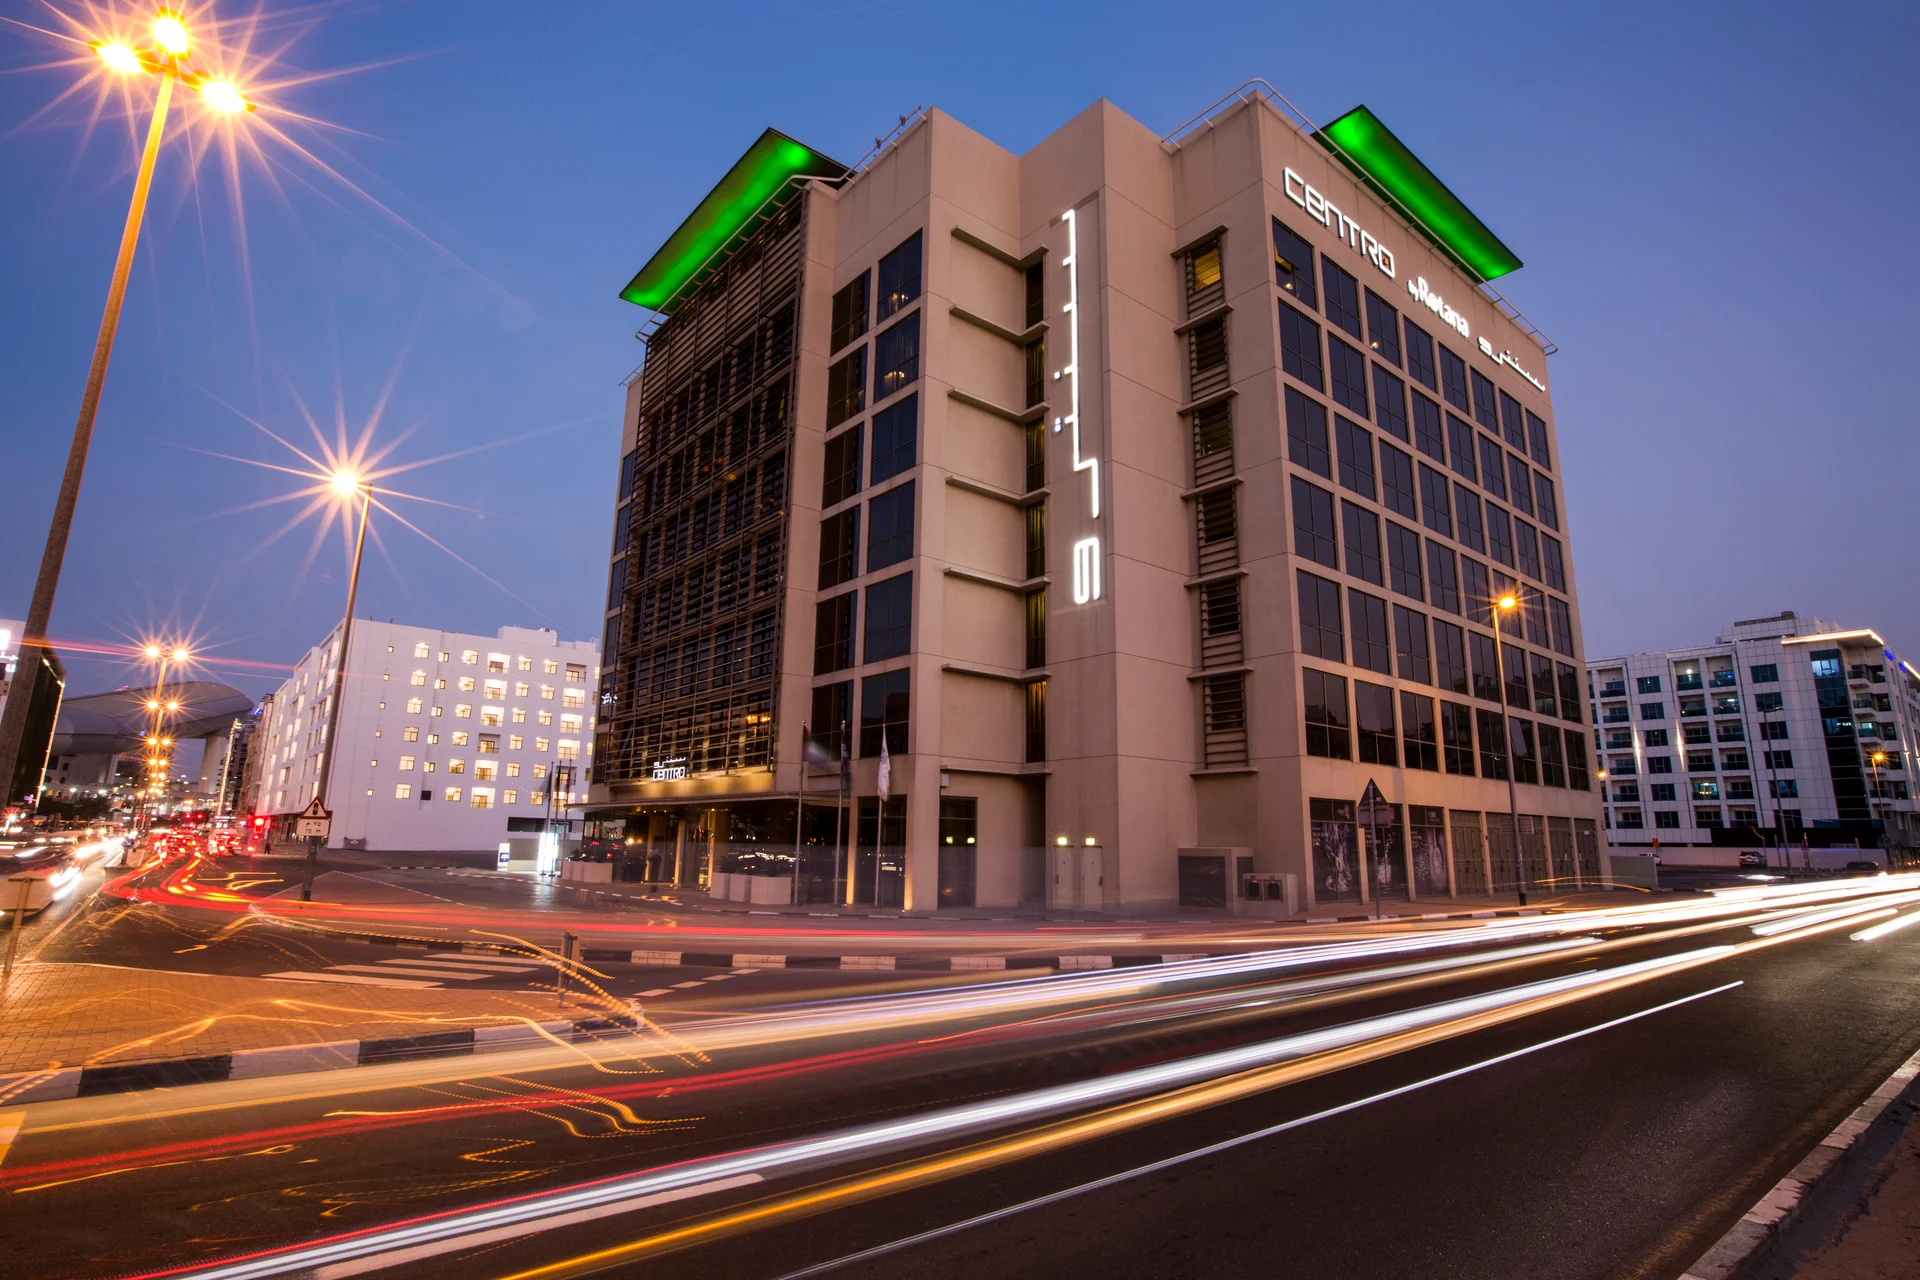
x,y
446,741
1785,729
1127,505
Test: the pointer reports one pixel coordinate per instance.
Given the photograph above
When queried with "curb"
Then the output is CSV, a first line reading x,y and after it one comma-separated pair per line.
x,y
251,1064
946,964
1742,1248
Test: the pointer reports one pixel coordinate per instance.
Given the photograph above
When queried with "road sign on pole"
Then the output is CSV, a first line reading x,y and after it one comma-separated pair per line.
x,y
314,820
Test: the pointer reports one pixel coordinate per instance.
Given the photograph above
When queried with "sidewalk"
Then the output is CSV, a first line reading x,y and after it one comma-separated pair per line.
x,y
1874,1232
82,1015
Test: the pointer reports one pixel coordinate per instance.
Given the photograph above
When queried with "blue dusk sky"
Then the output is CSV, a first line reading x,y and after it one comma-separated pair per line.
x,y
1710,199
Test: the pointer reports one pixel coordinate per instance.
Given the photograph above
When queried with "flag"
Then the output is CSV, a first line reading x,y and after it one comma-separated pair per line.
x,y
846,762
816,750
886,765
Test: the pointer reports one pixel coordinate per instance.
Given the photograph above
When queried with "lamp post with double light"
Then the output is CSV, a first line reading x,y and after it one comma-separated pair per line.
x,y
160,708
347,486
1507,604
168,60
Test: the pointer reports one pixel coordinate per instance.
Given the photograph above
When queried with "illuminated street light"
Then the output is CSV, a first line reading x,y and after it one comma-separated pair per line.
x,y
168,62
1507,604
348,485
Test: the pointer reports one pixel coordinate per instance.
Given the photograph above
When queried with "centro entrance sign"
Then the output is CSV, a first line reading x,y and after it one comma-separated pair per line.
x,y
670,770
313,821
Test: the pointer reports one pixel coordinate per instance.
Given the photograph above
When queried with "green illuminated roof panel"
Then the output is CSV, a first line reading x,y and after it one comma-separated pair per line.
x,y
1383,162
703,241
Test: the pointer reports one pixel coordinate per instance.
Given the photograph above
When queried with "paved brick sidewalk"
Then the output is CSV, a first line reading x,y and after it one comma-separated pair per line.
x,y
66,1015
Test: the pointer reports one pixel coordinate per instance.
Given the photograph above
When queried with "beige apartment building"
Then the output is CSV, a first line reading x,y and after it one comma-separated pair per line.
x,y
1116,511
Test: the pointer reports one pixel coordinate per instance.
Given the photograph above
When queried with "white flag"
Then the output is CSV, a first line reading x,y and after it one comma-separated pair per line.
x,y
886,766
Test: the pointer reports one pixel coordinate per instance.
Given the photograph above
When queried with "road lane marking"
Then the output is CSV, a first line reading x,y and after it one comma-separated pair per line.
x,y
349,977
398,1257
448,974
658,991
682,986
10,1123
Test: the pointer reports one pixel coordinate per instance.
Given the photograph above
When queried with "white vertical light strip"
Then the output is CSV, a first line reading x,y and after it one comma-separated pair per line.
x,y
1086,552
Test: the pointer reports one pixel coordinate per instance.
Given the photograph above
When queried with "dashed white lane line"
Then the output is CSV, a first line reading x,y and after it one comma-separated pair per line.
x,y
408,971
682,986
358,979
658,991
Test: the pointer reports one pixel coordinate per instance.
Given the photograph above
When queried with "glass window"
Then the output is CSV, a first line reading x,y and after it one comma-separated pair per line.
x,y
1420,356
1367,620
895,437
1456,734
839,548
1307,434
1450,657
889,619
899,277
1418,732
1453,380
1765,673
1356,456
1460,448
1516,676
1544,701
1343,296
1537,438
1293,265
1493,467
1396,475
1403,558
1525,761
1476,591
1410,645
832,710
1579,777
1520,484
1768,701
1373,722
1320,631
842,470
890,527
1499,536
1555,566
1313,535
1553,764
1485,411
1493,745
1511,424
1349,370
896,357
1390,402
403,791
1486,672
846,387
1466,508
1362,528
883,709
850,312
1526,543
1561,619
1328,729
1549,504
1383,328
1300,347
1653,711
1427,434
1435,510
1443,582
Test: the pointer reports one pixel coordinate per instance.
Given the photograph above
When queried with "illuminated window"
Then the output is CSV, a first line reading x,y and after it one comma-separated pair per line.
x,y
513,768
439,684
403,791
459,737
568,750
571,724
574,698
539,771
490,716
451,795
497,690
456,765
410,734
509,797
521,689
420,650
546,717
496,662
537,797
469,656
426,767
466,684
406,764
489,744
550,667
462,711
436,711
418,677
519,715
445,656
484,770
515,742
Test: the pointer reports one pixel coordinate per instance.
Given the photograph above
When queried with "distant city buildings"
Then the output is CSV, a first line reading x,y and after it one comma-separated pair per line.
x,y
447,741
1118,510
1786,729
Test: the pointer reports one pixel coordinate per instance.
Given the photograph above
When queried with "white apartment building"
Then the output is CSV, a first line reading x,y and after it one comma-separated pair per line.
x,y
1786,722
446,741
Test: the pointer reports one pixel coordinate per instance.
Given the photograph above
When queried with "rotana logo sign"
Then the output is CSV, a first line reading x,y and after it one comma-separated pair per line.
x,y
1438,305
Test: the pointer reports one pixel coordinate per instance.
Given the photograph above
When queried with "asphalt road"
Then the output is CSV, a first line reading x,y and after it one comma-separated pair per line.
x,y
1621,1153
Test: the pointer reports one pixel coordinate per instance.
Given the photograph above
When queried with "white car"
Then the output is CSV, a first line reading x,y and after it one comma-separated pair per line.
x,y
32,876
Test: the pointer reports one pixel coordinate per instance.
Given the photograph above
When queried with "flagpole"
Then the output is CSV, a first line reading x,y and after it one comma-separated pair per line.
x,y
800,809
843,820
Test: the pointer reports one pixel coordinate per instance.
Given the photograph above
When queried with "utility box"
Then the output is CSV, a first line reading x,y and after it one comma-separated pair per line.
x,y
1082,878
1268,894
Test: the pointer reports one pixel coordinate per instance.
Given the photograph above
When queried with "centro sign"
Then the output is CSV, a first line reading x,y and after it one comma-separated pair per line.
x,y
670,770
1322,211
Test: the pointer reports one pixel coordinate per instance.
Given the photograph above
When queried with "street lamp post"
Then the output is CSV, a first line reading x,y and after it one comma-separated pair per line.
x,y
1876,759
347,485
1506,604
168,60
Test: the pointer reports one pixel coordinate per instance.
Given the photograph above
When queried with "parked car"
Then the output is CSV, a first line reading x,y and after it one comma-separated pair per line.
x,y
1864,866
1752,858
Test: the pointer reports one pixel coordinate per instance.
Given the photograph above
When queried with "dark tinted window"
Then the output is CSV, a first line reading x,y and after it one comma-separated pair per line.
x,y
1427,434
1443,581
1450,657
1321,634
1403,558
842,478
1537,438
839,548
1343,296
1325,698
1349,370
1363,543
1551,561
1512,422
1383,328
1561,619
832,713
1476,591
1367,623
1486,669
889,619
1549,504
896,357
1420,356
833,634
1417,733
1396,477
1410,645
890,527
1466,509
1456,737
1526,545
1493,467
1460,448
1520,483
1293,265
883,709
850,312
895,436
1435,512
1486,411
1390,402
1453,380
1499,536
1569,681
1036,294
1356,456
1373,721
1300,347
1313,535
1307,434
899,277
846,387
1493,745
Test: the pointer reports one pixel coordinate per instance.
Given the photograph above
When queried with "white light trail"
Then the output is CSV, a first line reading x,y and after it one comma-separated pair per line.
x,y
1886,927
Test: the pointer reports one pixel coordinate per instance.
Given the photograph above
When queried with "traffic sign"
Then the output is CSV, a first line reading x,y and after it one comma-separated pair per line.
x,y
314,820
1374,809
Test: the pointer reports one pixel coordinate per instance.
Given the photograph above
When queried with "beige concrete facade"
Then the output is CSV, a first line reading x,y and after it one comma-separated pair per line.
x,y
1144,761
